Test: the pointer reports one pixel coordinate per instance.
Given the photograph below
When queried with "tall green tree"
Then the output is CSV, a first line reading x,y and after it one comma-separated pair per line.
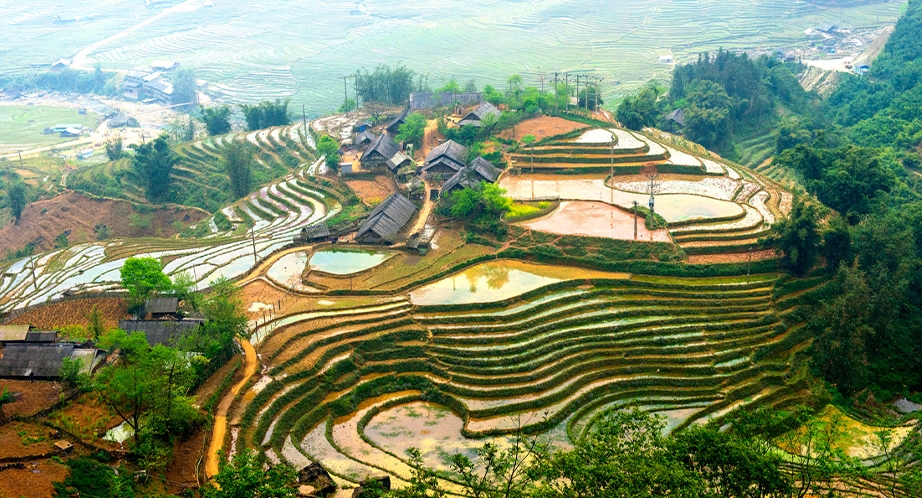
x,y
16,197
184,87
114,148
143,278
153,163
640,110
707,115
237,160
412,129
797,238
328,148
217,120
246,476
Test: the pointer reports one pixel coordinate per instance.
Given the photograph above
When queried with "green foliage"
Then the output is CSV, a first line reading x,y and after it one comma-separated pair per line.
x,y
797,239
71,376
66,80
143,278
412,129
237,161
387,85
484,205
217,120
16,198
245,476
214,340
6,397
90,479
184,87
707,117
153,164
266,114
114,148
328,147
637,111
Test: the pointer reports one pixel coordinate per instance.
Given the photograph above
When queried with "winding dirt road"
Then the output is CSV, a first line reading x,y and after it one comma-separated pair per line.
x,y
220,418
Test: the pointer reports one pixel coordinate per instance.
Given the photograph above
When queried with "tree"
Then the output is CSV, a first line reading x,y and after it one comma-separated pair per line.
x,y
245,476
386,84
328,148
184,87
837,244
636,112
423,483
6,397
515,85
707,117
147,387
114,148
217,120
796,238
226,321
153,163
95,326
451,87
412,129
590,97
16,198
624,456
266,114
500,473
143,278
237,161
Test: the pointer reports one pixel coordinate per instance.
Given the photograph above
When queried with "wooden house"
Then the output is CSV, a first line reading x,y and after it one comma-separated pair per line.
x,y
166,332
158,308
365,137
398,161
379,152
44,361
446,159
386,221
12,334
480,170
476,117
393,126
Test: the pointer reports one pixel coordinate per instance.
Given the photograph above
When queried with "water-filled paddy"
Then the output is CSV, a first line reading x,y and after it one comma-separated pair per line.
x,y
595,219
288,269
498,280
347,261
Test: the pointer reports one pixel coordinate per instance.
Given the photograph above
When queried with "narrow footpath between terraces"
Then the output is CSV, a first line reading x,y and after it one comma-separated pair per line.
x,y
220,418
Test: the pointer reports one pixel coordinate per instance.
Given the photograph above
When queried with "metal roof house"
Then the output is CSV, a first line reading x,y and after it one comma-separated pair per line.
x,y
43,361
378,153
480,170
678,116
399,160
165,332
476,117
393,126
448,158
386,221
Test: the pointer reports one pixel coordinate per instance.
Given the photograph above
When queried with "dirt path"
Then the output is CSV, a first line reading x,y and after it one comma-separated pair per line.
x,y
220,418
424,212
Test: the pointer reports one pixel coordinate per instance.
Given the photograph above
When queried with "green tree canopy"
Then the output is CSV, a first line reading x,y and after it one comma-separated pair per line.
x,y
153,163
217,120
797,238
246,476
16,198
143,278
412,129
237,160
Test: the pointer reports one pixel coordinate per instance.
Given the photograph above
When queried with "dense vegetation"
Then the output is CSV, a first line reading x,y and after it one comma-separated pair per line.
x,y
65,80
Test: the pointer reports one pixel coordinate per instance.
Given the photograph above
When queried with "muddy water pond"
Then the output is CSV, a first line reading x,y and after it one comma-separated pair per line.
x,y
288,269
498,280
347,261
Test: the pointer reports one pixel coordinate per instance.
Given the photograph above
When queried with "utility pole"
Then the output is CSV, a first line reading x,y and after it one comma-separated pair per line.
x,y
304,118
556,97
20,159
567,91
749,264
253,239
34,280
577,93
597,93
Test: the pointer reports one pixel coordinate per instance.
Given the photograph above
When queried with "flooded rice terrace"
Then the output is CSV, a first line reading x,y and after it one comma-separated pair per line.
x,y
499,280
347,261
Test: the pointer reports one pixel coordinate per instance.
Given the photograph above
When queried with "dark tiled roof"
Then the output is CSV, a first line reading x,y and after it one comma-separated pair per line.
x,y
44,336
450,153
13,332
396,122
365,136
485,169
383,145
39,360
164,332
388,218
316,231
482,111
161,305
480,170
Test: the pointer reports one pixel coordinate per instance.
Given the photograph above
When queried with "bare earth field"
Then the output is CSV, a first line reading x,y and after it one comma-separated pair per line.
x,y
35,481
373,191
43,221
36,396
543,127
56,315
595,219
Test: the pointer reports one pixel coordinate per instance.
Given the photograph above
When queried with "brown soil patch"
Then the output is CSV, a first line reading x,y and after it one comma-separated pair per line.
x,y
373,191
595,219
35,481
431,139
542,127
184,470
36,396
208,387
81,215
87,418
56,315
18,440
736,257
258,291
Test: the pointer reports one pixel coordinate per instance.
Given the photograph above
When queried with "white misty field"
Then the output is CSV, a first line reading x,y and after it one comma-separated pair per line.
x,y
293,48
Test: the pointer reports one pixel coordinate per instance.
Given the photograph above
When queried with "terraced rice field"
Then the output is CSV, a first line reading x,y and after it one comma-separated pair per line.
x,y
276,213
709,205
510,344
256,50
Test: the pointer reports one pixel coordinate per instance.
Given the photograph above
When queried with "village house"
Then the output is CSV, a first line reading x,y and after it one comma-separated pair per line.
x,y
386,221
393,127
476,117
365,137
43,361
13,334
445,160
480,170
379,152
165,332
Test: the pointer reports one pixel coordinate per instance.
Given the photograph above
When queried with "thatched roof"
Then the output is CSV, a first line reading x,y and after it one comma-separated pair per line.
x,y
388,218
164,332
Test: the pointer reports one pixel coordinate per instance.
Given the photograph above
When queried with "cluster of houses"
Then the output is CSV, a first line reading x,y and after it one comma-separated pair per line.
x,y
447,167
141,85
30,354
67,130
